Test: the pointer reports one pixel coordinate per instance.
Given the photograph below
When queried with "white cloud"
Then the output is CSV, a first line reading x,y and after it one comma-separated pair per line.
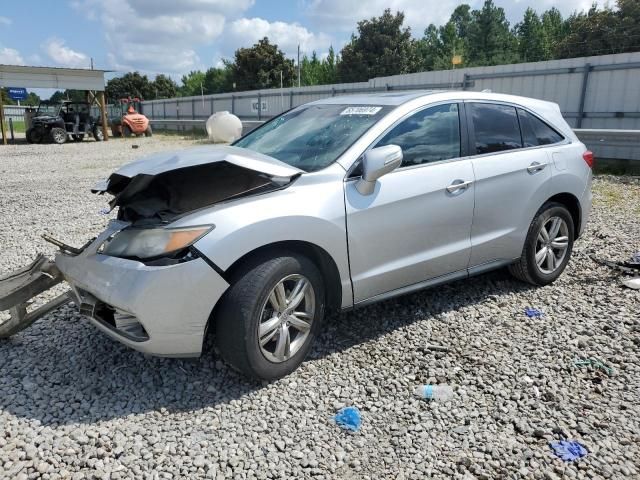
x,y
10,56
64,56
168,7
5,21
160,36
343,15
245,32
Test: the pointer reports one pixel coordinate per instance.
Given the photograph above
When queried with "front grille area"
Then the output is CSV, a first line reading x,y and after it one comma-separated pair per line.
x,y
119,321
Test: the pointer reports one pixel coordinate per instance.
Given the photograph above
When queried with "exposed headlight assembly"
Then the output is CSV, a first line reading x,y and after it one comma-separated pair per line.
x,y
146,243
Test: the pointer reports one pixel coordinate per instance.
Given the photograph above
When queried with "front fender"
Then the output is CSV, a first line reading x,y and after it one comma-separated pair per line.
x,y
309,211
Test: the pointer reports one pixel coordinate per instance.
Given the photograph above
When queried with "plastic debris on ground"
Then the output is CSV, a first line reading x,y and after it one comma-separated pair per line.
x,y
568,450
441,393
595,363
633,283
349,418
533,312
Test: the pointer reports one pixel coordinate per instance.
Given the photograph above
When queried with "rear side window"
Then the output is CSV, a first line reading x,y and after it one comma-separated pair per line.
x,y
429,135
535,132
496,127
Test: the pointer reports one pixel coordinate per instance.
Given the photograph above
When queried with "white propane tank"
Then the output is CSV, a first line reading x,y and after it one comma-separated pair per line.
x,y
224,127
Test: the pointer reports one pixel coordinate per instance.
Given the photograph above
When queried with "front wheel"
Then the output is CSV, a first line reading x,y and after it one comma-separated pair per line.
x,y
268,318
126,131
58,135
548,246
148,132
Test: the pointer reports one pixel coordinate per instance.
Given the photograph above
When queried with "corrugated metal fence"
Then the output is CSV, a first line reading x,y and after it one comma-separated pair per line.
x,y
593,92
14,112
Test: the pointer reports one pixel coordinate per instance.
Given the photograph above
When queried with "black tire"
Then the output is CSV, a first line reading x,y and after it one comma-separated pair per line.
x,y
78,138
58,135
126,131
239,314
98,133
526,268
148,132
30,136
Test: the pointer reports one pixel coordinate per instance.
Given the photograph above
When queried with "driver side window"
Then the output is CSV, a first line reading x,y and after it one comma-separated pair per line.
x,y
430,135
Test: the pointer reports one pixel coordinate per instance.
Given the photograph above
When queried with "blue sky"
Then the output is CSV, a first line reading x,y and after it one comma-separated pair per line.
x,y
175,36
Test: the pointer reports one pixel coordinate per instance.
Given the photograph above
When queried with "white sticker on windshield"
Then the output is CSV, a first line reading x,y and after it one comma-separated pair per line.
x,y
360,110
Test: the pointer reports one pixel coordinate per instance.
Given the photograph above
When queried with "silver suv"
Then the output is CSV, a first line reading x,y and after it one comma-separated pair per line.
x,y
332,205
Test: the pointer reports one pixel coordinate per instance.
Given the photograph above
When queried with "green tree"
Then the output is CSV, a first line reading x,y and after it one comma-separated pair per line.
x,y
628,34
455,35
554,29
259,67
382,47
74,95
192,83
596,32
531,38
32,100
310,70
330,68
163,87
490,40
315,71
6,100
218,80
131,84
429,49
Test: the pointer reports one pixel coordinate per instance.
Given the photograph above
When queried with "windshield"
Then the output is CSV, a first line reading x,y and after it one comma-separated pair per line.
x,y
312,137
49,109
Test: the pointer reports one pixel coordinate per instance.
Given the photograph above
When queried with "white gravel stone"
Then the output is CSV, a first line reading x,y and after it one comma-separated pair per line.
x,y
75,404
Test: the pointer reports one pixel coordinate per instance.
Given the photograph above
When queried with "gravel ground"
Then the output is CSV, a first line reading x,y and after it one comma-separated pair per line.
x,y
75,404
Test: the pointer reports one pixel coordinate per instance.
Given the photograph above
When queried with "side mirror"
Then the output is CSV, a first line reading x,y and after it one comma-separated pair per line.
x,y
376,163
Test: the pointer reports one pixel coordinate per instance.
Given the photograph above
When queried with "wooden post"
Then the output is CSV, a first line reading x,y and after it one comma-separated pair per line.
x,y
2,127
105,124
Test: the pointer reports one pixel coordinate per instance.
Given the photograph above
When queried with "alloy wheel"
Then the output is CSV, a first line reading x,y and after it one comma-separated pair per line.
x,y
59,136
286,318
552,244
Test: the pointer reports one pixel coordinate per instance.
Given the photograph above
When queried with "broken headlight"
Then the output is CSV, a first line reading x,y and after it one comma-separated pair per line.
x,y
145,243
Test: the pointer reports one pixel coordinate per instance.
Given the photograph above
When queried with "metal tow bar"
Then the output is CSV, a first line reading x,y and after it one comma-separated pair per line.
x,y
20,286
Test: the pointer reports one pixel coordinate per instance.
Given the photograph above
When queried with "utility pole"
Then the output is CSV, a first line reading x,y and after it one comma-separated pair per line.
x,y
91,63
298,65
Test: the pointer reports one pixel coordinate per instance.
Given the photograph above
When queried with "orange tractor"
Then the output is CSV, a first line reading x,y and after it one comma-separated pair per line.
x,y
130,122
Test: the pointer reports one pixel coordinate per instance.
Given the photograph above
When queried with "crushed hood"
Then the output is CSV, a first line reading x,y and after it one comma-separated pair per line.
x,y
165,185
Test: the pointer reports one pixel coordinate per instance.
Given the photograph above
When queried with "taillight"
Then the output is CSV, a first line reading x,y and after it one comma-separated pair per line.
x,y
588,157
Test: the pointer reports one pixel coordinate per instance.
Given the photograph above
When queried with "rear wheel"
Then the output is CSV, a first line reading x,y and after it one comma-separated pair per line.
x,y
58,135
148,132
31,136
126,131
270,315
548,246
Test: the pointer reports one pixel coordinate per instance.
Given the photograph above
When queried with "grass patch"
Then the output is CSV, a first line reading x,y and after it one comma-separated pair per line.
x,y
18,127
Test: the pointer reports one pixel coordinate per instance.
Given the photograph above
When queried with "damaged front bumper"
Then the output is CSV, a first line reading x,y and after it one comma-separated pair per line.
x,y
161,310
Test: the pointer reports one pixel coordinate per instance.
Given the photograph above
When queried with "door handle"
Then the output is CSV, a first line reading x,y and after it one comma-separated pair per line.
x,y
454,187
536,167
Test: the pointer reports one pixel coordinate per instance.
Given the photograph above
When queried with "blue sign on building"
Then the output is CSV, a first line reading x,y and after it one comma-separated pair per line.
x,y
17,93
